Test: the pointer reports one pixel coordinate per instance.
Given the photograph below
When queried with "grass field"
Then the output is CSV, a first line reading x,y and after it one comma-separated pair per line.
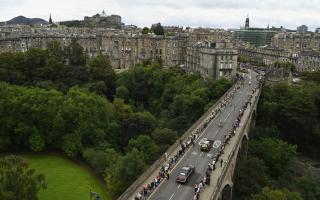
x,y
66,179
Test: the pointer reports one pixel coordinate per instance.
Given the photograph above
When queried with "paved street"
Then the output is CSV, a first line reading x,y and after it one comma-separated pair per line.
x,y
170,190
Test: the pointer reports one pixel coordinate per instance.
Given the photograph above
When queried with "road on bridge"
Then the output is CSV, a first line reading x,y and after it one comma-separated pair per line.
x,y
170,189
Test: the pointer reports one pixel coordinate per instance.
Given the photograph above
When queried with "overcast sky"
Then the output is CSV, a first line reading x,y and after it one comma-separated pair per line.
x,y
194,13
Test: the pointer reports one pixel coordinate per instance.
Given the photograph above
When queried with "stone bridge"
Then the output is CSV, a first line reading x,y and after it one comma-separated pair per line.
x,y
237,149
222,177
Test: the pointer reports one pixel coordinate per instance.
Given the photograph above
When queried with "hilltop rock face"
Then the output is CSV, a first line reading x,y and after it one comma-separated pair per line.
x,y
27,21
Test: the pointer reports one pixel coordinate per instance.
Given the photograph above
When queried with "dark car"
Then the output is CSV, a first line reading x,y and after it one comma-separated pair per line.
x,y
185,173
206,145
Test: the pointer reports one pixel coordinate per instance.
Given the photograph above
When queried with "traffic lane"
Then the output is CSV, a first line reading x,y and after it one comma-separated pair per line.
x,y
195,157
201,161
170,187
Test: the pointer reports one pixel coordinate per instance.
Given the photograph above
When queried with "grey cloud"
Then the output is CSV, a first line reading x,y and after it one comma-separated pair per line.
x,y
235,4
216,13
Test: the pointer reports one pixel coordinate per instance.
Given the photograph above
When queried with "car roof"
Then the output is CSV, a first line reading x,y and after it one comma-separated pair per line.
x,y
185,168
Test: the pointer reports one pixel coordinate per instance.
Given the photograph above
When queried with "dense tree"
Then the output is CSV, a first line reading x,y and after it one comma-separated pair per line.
x,y
309,189
55,49
124,171
34,60
158,29
86,118
136,124
269,194
75,53
123,93
33,118
250,177
17,181
146,145
277,154
291,113
59,68
311,76
37,143
145,30
100,70
100,160
164,138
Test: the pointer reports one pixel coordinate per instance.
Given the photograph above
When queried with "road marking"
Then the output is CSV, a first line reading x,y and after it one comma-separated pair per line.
x,y
202,141
216,144
194,153
171,196
201,154
179,186
227,117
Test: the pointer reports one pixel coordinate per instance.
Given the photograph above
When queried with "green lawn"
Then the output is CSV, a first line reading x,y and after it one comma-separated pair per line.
x,y
66,179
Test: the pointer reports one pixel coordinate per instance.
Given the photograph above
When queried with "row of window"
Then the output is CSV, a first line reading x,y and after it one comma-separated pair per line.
x,y
226,66
225,57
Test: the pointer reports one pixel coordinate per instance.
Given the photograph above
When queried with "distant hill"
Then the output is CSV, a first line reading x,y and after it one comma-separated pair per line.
x,y
25,20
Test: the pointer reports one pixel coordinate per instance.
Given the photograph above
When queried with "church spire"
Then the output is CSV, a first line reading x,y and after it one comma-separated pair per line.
x,y
50,19
247,26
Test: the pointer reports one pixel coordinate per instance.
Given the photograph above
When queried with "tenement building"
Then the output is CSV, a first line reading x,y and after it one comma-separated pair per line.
x,y
212,60
308,61
301,48
207,34
297,42
266,55
128,47
127,50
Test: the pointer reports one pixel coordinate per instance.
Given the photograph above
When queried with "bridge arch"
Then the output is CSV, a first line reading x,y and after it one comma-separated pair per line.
x,y
244,146
226,193
253,119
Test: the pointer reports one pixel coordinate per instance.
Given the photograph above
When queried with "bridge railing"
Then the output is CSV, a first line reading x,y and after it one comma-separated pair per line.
x,y
137,185
234,152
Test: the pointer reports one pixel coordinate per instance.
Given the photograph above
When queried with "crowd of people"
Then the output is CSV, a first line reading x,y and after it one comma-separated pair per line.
x,y
205,181
164,172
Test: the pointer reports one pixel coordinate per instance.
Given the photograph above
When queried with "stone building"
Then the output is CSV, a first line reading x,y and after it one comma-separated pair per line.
x,y
304,60
308,61
296,42
266,55
126,48
212,35
212,60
